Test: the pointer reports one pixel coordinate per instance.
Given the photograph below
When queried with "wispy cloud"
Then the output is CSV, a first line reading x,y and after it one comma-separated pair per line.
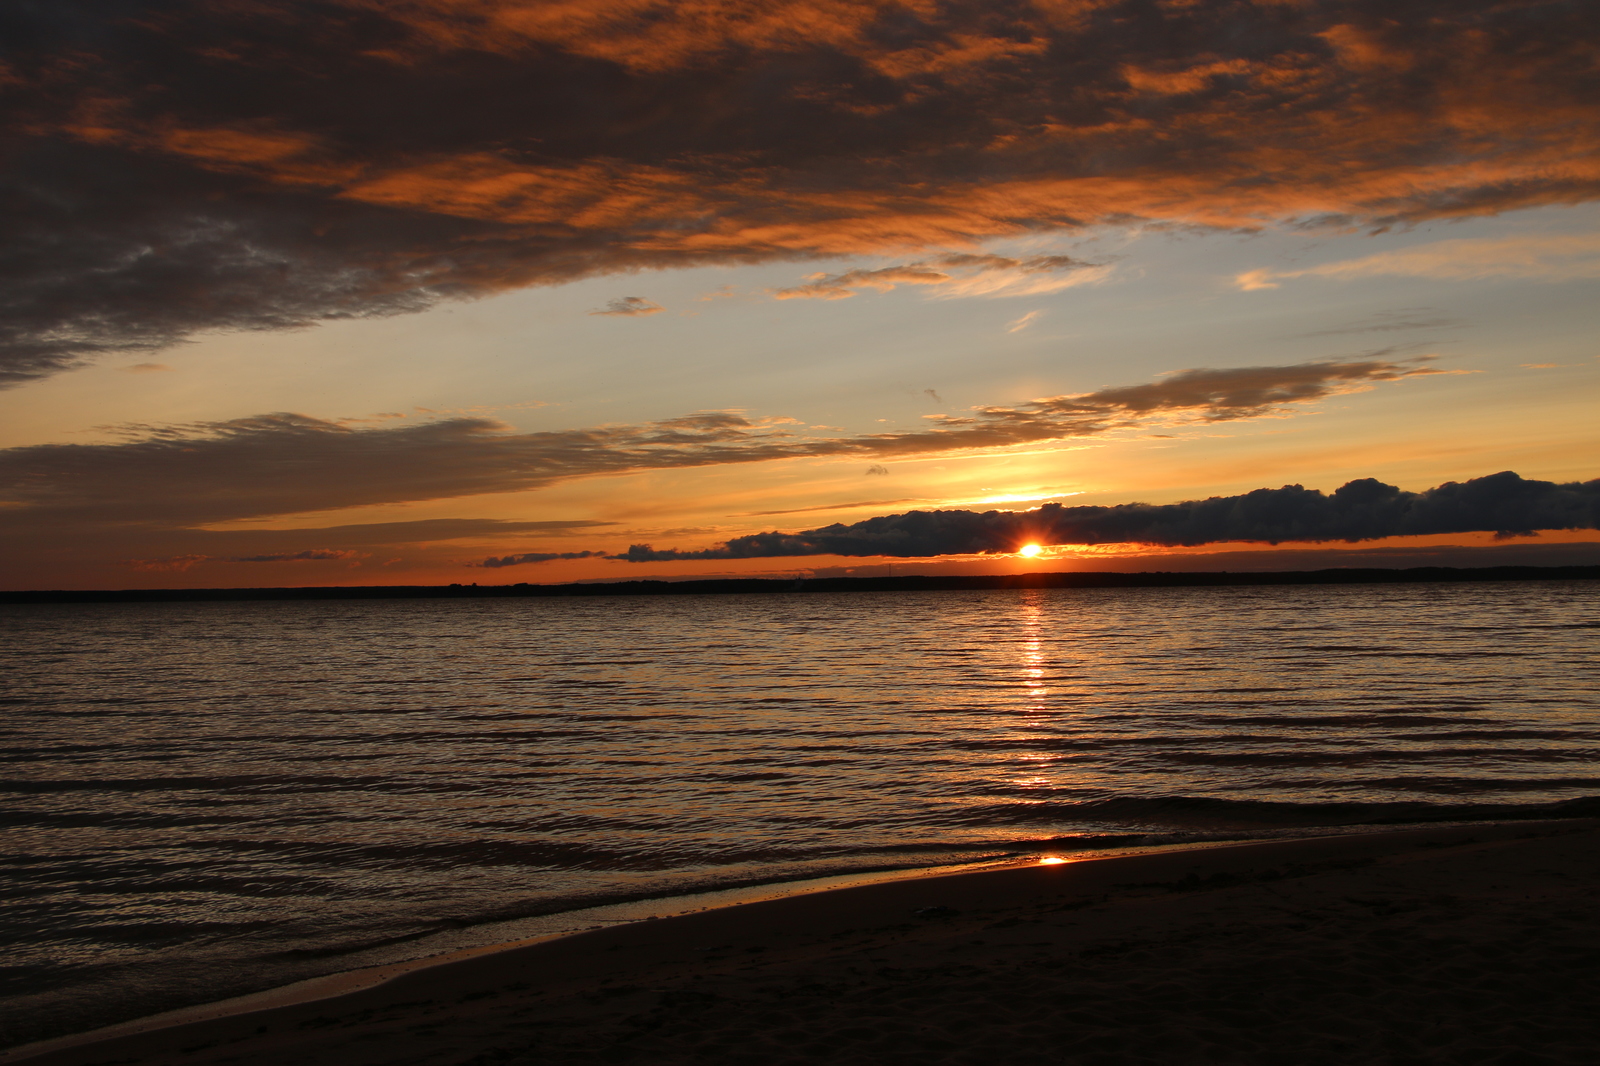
x,y
831,506
1017,325
159,546
284,464
1419,318
955,275
181,563
171,564
308,555
1547,257
629,305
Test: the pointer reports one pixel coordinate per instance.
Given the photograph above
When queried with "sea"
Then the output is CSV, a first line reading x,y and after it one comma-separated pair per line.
x,y
207,799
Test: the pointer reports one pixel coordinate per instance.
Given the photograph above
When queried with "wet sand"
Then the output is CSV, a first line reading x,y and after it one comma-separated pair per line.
x,y
1474,944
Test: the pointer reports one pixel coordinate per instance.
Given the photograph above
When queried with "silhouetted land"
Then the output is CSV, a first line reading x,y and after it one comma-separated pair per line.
x,y
909,583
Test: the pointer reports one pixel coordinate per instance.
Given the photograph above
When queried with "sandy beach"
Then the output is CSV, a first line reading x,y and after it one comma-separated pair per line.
x,y
1466,944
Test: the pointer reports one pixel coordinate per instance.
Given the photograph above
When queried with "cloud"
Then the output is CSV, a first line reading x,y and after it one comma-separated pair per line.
x,y
856,505
957,275
173,563
1385,555
185,562
175,167
535,557
312,554
877,470
146,368
284,464
1548,257
380,534
1390,322
1017,325
843,286
166,546
1502,503
309,555
629,305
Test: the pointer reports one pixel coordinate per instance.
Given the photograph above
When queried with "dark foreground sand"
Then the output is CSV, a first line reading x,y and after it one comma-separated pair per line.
x,y
1463,945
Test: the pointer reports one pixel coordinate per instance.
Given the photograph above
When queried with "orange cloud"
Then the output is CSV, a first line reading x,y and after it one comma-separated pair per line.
x,y
956,275
294,165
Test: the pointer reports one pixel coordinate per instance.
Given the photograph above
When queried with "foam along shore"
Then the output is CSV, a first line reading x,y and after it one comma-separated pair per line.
x,y
1470,944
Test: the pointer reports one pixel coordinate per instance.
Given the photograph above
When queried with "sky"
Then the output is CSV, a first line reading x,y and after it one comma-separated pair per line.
x,y
495,291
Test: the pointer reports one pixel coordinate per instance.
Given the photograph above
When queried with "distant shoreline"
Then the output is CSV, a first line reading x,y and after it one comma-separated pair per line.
x,y
908,583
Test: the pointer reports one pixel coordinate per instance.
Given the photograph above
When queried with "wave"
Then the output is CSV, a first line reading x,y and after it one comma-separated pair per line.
x,y
1212,813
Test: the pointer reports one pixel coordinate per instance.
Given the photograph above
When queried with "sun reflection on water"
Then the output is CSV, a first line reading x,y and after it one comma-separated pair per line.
x,y
1032,616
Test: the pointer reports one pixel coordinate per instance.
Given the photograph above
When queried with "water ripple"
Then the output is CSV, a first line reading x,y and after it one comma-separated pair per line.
x,y
204,798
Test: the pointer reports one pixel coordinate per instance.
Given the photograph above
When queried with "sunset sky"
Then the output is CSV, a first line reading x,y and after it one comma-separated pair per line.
x,y
424,291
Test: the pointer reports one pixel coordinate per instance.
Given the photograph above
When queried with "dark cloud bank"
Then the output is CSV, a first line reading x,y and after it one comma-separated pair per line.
x,y
537,557
174,166
1503,503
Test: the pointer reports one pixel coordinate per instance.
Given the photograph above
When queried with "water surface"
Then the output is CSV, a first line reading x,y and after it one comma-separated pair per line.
x,y
204,799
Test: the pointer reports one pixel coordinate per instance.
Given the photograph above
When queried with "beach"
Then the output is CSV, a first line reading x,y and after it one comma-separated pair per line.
x,y
1460,944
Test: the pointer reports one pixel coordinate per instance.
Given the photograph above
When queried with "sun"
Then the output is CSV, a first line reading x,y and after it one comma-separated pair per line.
x,y
1029,550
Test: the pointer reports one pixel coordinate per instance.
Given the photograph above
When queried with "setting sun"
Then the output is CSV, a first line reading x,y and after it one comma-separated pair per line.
x,y
1029,550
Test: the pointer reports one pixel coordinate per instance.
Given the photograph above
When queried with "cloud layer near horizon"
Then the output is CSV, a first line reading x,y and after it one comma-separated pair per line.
x,y
1367,509
284,464
176,166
